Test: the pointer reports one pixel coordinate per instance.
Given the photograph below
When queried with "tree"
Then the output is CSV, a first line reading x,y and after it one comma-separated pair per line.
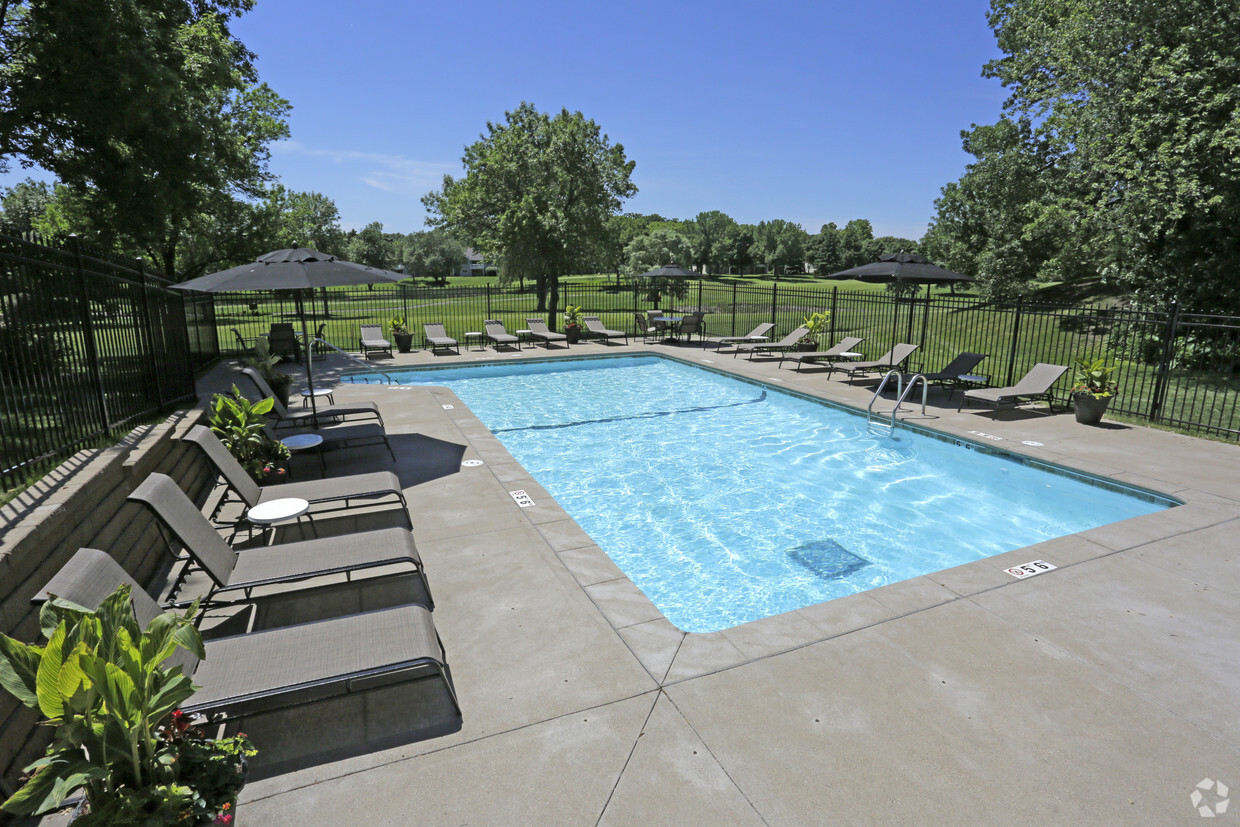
x,y
657,248
372,247
305,219
857,243
537,194
1127,115
780,246
826,251
23,204
736,248
708,233
172,134
433,254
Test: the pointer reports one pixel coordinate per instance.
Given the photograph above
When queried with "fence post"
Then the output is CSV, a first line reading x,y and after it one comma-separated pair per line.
x,y
1164,363
774,290
148,329
1011,373
489,315
834,296
733,333
88,334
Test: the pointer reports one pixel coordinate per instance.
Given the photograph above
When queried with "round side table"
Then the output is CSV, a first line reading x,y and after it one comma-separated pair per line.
x,y
304,442
319,394
473,338
271,512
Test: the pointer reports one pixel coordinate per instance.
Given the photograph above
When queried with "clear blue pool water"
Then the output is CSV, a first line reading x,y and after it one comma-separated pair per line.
x,y
726,501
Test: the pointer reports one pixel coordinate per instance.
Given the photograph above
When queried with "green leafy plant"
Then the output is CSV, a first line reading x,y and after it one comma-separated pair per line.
x,y
240,425
572,316
265,363
100,680
398,325
817,324
1094,378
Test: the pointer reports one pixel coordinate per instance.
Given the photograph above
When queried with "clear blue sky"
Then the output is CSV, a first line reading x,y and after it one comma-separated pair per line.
x,y
805,111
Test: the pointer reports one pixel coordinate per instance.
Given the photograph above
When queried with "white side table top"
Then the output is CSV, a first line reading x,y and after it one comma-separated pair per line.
x,y
276,511
300,442
848,354
317,392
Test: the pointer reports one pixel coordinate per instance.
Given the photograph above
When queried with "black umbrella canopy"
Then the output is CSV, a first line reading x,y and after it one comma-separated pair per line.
x,y
907,267
669,271
297,269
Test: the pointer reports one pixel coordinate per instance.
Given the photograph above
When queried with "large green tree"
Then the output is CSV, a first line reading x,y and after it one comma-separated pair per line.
x,y
1123,132
780,246
709,234
149,111
537,194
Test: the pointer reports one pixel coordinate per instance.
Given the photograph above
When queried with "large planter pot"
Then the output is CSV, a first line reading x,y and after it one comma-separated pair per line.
x,y
404,341
1089,408
806,347
573,332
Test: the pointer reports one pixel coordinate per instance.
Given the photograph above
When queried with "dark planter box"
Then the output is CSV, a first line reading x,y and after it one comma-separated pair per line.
x,y
1089,408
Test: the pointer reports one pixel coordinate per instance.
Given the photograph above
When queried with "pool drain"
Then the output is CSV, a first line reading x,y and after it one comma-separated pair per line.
x,y
827,559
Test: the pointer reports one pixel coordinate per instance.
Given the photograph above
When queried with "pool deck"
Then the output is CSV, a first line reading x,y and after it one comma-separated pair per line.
x,y
1100,692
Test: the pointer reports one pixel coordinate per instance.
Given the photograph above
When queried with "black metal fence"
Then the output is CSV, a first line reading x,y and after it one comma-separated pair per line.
x,y
90,344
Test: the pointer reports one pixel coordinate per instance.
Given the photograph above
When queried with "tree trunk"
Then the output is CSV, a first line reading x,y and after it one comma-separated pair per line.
x,y
540,290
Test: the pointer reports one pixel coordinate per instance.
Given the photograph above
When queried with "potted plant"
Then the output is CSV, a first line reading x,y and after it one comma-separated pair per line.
x,y
241,426
120,737
1092,390
265,363
817,324
572,323
401,334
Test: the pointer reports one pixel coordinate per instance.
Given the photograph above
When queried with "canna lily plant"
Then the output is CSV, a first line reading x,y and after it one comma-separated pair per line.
x,y
817,324
102,682
1094,378
240,425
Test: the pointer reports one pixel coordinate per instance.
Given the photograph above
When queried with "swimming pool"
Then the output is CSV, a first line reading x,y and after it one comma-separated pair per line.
x,y
726,500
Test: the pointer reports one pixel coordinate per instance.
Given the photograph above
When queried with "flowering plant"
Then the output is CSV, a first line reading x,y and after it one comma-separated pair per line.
x,y
1094,378
572,316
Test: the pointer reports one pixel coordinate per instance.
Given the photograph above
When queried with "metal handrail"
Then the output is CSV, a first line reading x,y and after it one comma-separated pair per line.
x,y
912,383
350,356
902,392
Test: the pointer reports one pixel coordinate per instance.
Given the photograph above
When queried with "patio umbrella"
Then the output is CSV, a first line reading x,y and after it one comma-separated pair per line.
x,y
296,269
669,271
906,267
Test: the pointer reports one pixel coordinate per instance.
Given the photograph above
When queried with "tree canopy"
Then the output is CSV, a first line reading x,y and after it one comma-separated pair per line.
x,y
538,194
1118,153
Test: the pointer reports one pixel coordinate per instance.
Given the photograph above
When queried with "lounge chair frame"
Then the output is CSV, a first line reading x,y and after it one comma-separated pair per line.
x,y
891,360
438,339
760,332
279,668
832,354
1033,386
498,335
787,343
539,330
596,330
370,338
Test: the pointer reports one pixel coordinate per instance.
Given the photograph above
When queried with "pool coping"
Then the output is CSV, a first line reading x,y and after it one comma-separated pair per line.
x,y
672,655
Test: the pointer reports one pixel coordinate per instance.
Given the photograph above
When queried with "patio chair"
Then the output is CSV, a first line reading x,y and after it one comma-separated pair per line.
x,y
246,569
596,329
787,343
339,493
1034,385
498,336
283,340
539,330
692,324
438,339
304,417
832,354
370,338
319,348
245,345
890,360
645,327
758,334
276,668
962,365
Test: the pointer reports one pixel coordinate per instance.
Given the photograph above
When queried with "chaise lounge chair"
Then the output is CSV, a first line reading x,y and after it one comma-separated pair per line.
x,y
758,334
304,417
890,360
786,343
962,365
1034,385
596,330
231,569
438,339
371,338
539,330
274,668
337,493
831,354
498,336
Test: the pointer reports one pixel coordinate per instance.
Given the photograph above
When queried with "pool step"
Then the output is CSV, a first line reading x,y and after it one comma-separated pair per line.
x,y
827,559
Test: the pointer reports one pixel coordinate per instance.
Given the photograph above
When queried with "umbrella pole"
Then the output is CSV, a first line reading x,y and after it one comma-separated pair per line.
x,y
307,347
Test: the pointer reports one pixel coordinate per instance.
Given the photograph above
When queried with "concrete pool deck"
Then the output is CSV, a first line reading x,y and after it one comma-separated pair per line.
x,y
1101,692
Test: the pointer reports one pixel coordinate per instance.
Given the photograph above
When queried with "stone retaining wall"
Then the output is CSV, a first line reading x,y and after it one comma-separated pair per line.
x,y
82,503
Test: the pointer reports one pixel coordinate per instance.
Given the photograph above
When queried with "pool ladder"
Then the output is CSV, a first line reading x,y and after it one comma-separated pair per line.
x,y
874,421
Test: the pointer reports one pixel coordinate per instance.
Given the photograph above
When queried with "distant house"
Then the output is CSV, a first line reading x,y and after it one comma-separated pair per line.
x,y
474,264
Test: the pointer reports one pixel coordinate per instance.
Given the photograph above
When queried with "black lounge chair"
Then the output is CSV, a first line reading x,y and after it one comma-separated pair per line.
x,y
832,354
539,330
370,338
438,339
231,569
962,365
758,334
304,417
498,336
275,668
337,493
787,343
598,331
1034,385
890,360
